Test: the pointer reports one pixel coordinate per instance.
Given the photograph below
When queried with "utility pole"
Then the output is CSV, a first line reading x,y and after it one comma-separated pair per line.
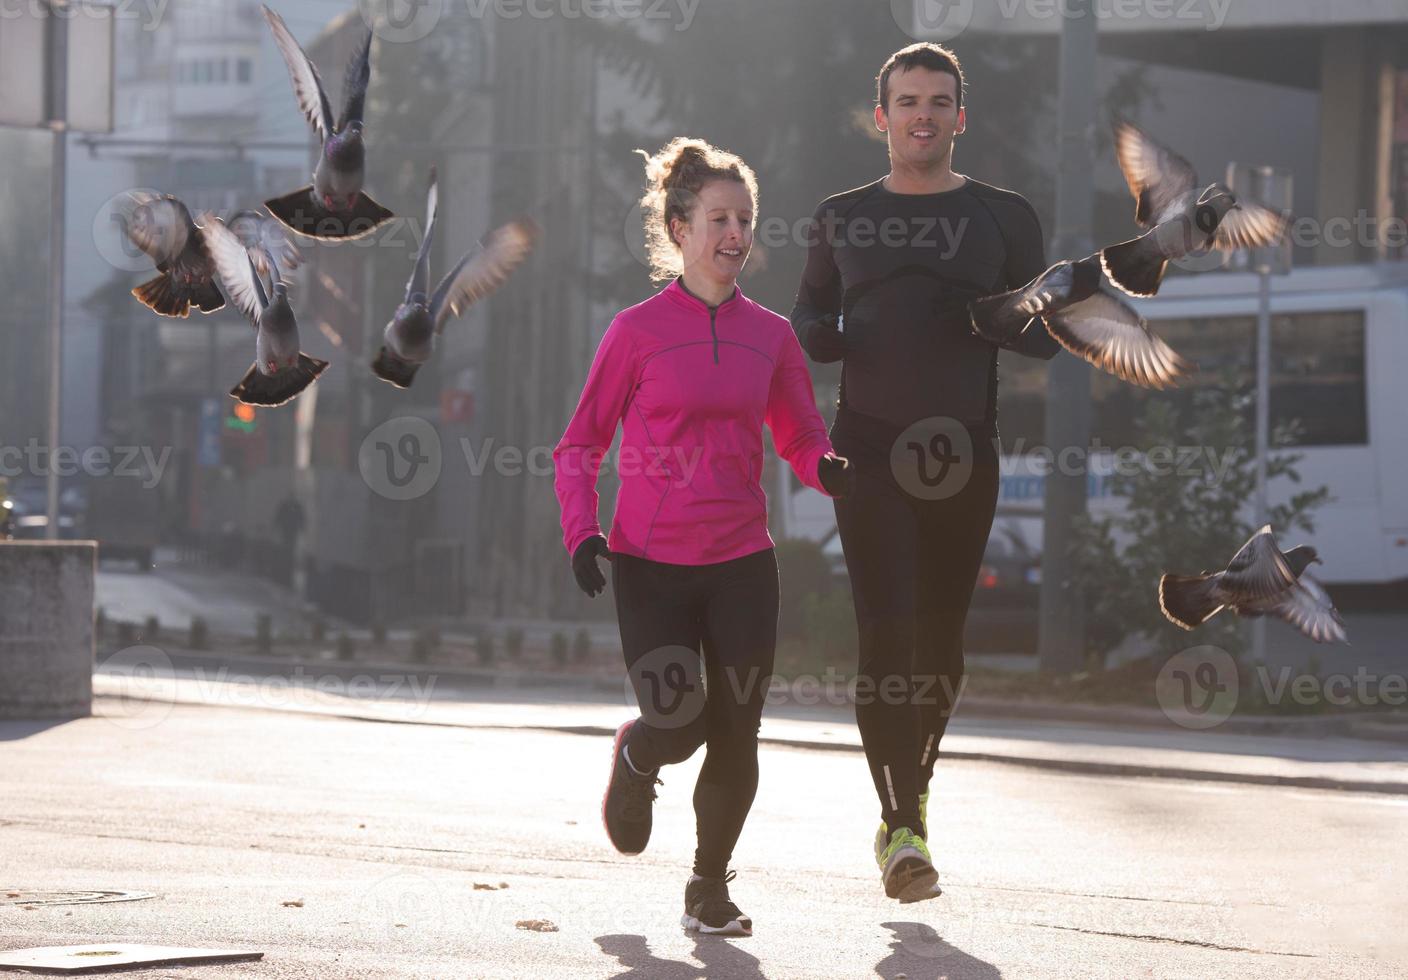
x,y
56,36
1061,641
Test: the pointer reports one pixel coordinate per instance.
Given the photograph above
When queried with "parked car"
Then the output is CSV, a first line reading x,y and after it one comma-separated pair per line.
x,y
1003,615
29,510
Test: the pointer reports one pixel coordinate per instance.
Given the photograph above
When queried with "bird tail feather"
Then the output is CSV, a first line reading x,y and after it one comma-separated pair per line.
x,y
272,390
1134,266
299,212
389,367
207,297
162,296
1187,600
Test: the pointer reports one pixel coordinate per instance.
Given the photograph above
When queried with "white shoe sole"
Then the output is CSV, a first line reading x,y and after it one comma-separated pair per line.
x,y
915,881
742,926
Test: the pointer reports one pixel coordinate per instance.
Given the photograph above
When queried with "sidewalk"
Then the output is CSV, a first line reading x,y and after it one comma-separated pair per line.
x,y
396,693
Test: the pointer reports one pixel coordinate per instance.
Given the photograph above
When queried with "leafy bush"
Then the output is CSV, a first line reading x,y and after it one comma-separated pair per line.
x,y
1183,518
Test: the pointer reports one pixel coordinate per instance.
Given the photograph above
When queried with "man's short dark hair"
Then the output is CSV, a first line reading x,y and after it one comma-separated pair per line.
x,y
925,54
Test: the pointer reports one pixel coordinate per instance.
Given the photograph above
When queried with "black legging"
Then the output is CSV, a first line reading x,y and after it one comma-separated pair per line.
x,y
913,563
667,613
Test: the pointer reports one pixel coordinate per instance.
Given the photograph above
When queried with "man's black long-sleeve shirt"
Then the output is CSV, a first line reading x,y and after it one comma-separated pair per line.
x,y
902,268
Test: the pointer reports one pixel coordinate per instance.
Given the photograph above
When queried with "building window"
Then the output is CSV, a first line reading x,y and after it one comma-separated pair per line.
x,y
242,71
224,69
1317,379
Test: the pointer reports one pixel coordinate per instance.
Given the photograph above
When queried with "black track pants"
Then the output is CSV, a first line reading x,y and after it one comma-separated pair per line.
x,y
913,563
668,614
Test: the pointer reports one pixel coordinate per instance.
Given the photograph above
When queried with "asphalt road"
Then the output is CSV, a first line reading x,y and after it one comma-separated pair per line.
x,y
381,830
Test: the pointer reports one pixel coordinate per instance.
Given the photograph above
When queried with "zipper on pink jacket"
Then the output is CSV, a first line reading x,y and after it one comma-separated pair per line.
x,y
713,332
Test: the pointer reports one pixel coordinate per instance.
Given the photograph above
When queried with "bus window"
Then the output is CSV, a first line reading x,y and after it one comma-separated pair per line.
x,y
1317,378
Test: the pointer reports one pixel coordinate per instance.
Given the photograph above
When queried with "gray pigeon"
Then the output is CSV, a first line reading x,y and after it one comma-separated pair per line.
x,y
1261,580
1086,320
334,205
1181,220
161,226
409,339
280,370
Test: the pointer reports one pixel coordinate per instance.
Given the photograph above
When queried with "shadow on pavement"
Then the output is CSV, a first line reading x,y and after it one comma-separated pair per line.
x,y
13,731
721,958
920,953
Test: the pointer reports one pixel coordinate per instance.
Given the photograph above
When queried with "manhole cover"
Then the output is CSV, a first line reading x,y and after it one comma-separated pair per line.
x,y
18,896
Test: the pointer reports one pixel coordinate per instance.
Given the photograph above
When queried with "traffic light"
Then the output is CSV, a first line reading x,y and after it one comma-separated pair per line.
x,y
242,418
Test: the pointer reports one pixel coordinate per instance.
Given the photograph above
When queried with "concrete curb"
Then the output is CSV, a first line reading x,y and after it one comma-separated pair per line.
x,y
1080,767
1374,726
512,680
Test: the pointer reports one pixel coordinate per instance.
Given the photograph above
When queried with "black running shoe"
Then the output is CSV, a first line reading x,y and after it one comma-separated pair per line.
x,y
707,908
625,809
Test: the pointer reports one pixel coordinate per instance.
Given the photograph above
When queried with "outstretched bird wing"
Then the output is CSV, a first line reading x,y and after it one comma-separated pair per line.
x,y
159,225
236,268
482,270
265,238
1158,178
1309,609
1107,332
307,85
1258,570
1250,225
354,85
420,275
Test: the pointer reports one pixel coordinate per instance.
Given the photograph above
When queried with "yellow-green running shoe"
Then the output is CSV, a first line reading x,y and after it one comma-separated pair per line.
x,y
882,836
907,872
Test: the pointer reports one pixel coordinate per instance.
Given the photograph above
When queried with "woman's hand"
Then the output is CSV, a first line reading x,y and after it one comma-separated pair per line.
x,y
836,474
584,565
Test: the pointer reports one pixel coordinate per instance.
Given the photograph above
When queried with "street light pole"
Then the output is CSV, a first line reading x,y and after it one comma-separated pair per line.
x,y
56,29
1272,188
1061,637
1263,426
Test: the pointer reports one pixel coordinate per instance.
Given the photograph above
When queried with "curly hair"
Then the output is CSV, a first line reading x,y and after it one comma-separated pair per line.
x,y
674,177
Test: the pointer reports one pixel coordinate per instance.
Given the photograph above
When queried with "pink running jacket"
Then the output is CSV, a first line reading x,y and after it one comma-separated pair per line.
x,y
692,389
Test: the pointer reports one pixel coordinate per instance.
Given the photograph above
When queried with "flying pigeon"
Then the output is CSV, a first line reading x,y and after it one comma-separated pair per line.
x,y
1179,218
1261,580
1086,320
334,205
161,226
409,339
280,370
265,239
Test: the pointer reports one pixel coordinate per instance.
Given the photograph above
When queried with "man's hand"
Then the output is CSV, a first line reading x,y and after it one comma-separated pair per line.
x,y
826,342
836,474
584,565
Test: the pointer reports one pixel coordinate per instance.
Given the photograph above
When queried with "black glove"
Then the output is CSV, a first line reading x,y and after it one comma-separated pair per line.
x,y
584,565
825,341
836,474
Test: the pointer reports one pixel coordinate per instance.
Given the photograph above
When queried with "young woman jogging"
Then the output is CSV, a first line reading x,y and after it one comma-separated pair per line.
x,y
692,375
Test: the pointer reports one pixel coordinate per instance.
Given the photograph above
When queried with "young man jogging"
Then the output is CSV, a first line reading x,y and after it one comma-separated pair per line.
x,y
890,270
